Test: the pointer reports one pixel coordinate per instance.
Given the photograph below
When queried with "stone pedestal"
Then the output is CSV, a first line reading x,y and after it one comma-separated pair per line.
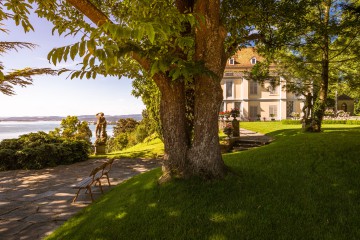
x,y
236,130
100,150
307,125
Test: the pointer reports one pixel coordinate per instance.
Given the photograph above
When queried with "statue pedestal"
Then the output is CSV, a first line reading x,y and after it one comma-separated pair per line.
x,y
236,128
100,149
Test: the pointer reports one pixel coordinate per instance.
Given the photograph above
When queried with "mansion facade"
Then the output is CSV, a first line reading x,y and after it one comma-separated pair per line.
x,y
252,99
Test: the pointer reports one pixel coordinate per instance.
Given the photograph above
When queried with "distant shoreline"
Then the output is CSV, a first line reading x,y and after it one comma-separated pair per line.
x,y
89,118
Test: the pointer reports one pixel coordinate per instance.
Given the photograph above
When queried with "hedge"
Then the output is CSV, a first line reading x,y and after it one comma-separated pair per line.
x,y
325,121
40,150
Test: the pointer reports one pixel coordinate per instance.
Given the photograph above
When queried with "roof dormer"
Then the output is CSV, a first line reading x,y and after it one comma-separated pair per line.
x,y
253,60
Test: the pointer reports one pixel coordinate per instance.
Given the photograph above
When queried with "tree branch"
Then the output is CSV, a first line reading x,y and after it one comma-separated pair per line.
x,y
99,18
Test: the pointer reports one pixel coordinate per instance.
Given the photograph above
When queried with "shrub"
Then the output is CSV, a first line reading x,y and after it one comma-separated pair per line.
x,y
325,121
141,133
332,121
7,160
118,143
353,122
40,150
290,122
13,144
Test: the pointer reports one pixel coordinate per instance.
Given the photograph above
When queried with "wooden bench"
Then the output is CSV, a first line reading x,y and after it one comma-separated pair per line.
x,y
94,178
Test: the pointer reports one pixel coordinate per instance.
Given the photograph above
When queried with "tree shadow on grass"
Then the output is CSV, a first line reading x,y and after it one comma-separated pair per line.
x,y
253,206
275,195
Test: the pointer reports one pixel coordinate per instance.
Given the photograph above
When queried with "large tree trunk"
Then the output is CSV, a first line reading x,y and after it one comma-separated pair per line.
x,y
173,120
320,102
205,155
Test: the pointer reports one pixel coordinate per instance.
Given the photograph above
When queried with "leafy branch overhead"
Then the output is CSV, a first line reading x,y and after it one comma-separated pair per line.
x,y
22,78
17,11
19,77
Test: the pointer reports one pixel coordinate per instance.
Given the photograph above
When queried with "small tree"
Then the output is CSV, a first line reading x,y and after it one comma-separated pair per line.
x,y
72,128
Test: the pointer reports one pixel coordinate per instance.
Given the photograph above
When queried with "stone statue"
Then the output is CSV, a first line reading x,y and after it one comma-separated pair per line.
x,y
100,133
307,106
100,125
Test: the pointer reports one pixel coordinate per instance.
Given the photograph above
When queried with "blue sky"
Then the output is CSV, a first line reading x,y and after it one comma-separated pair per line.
x,y
56,95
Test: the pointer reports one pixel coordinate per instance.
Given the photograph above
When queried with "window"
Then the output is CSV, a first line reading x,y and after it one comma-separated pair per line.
x,y
253,88
289,108
253,111
231,61
273,111
229,74
253,61
229,88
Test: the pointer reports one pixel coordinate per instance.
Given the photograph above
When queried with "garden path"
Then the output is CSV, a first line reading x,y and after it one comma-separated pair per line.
x,y
33,203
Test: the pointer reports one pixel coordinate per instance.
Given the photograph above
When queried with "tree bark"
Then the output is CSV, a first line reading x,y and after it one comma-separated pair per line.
x,y
173,121
320,102
205,155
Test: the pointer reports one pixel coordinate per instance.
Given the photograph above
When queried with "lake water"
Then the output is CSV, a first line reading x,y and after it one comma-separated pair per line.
x,y
14,129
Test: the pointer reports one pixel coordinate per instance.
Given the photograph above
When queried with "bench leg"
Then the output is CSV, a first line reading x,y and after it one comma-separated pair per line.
x,y
107,176
89,188
77,194
100,187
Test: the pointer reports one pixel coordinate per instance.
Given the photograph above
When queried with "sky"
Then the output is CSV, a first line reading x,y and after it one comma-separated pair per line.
x,y
58,95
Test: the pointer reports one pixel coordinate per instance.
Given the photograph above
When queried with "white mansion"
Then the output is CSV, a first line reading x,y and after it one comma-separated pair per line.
x,y
253,100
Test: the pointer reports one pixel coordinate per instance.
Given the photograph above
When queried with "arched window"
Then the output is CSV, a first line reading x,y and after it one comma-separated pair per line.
x,y
253,61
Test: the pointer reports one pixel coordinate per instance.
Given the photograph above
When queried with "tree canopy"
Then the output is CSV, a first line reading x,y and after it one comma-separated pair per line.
x,y
182,46
323,52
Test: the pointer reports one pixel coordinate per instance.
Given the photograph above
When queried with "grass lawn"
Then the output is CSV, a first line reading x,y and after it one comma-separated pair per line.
x,y
301,186
151,149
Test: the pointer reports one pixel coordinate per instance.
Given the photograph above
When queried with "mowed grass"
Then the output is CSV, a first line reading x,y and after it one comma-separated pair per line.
x,y
151,149
301,186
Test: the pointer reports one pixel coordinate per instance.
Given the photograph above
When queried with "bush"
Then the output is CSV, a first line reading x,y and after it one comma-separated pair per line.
x,y
40,150
7,160
325,121
333,121
353,122
290,122
13,144
118,143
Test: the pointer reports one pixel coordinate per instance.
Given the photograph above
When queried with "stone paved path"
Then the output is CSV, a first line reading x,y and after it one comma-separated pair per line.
x,y
248,135
33,203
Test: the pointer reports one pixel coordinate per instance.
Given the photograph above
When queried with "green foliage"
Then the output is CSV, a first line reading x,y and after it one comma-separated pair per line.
x,y
118,142
40,150
353,122
17,11
323,53
128,132
124,125
300,186
290,122
72,128
325,121
330,121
